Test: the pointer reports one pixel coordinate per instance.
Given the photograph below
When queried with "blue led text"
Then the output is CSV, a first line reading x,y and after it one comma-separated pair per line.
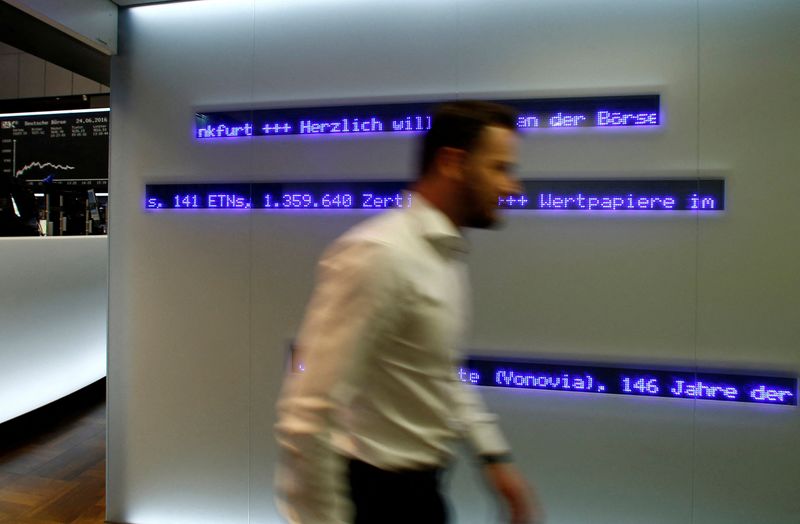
x,y
228,201
766,394
698,389
643,385
277,128
191,201
412,123
605,202
414,117
527,121
615,119
222,130
371,200
686,385
308,201
562,120
469,376
698,202
345,125
656,195
585,382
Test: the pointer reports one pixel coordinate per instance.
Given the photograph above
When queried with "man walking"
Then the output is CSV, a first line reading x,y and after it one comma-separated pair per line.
x,y
374,415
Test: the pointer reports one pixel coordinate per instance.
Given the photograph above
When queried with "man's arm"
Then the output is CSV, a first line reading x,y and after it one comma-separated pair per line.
x,y
347,311
481,431
508,482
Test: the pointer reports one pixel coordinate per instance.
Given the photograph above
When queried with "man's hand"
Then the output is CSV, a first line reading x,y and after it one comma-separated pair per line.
x,y
509,484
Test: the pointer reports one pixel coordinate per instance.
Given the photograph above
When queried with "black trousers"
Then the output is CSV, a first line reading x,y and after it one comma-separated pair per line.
x,y
396,497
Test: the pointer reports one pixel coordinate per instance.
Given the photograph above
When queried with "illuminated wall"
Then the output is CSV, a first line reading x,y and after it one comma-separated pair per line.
x,y
203,304
53,298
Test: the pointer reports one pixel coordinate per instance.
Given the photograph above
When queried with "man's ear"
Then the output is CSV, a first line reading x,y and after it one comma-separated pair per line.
x,y
449,163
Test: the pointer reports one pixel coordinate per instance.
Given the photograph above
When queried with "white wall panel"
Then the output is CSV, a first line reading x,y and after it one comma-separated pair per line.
x,y
203,305
602,288
321,53
746,465
582,47
53,299
179,434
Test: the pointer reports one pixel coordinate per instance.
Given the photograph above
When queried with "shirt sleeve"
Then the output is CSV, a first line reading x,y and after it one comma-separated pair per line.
x,y
479,425
349,306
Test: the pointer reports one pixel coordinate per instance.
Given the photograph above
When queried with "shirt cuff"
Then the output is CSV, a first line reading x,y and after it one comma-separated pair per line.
x,y
500,458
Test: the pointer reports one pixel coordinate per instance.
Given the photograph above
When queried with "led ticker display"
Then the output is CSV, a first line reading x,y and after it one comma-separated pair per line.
x,y
520,374
612,380
630,195
637,111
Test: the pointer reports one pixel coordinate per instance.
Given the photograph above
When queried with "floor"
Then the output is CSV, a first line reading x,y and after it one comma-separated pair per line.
x,y
52,462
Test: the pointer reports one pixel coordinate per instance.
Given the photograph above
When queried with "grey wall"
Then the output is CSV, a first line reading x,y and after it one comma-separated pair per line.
x,y
202,305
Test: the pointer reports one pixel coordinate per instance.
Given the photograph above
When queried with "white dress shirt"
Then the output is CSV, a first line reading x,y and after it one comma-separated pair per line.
x,y
379,348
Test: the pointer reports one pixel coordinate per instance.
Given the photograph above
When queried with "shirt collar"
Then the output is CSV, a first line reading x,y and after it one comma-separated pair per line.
x,y
436,227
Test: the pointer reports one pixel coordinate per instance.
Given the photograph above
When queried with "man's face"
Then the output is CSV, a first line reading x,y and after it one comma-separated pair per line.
x,y
488,175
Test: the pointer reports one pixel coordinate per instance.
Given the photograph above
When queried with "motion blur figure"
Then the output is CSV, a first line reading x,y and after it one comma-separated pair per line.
x,y
367,429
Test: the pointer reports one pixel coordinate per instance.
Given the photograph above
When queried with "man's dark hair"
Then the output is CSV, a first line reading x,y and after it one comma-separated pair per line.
x,y
459,124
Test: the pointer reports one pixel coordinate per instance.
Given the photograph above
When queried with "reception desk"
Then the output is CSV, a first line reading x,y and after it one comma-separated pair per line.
x,y
53,316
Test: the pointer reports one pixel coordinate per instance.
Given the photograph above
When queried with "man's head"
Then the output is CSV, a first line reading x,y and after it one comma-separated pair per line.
x,y
467,161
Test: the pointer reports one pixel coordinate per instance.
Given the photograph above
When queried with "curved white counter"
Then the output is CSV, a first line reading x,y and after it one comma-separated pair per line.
x,y
53,317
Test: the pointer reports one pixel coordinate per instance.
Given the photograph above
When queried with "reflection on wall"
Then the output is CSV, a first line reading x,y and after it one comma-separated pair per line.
x,y
53,298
